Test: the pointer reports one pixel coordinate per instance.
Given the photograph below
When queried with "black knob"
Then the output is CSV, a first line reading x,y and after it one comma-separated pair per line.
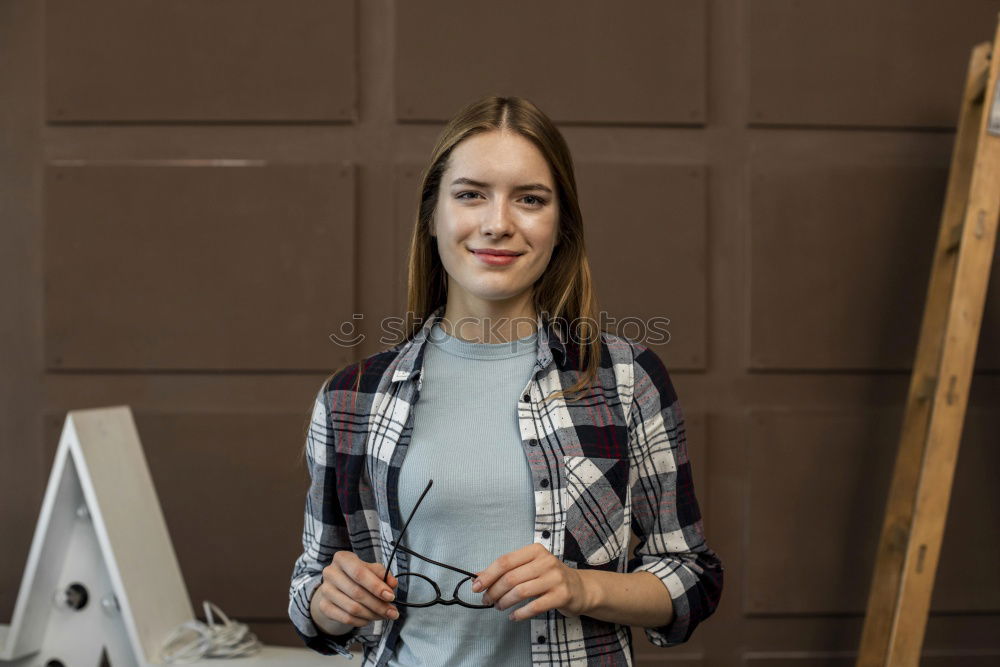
x,y
76,596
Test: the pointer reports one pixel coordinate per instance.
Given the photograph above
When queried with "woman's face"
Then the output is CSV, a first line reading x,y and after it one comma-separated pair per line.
x,y
496,194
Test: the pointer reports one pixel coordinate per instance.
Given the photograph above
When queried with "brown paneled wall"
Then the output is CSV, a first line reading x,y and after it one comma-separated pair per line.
x,y
195,195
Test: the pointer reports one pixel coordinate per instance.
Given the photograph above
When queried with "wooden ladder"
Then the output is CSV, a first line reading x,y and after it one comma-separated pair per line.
x,y
910,543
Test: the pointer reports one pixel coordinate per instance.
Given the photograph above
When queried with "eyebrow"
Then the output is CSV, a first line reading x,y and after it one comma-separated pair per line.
x,y
517,188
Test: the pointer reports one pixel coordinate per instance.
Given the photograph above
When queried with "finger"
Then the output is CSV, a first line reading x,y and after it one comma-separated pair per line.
x,y
379,571
352,608
361,572
382,587
364,574
535,580
506,583
332,611
356,592
535,607
505,563
530,588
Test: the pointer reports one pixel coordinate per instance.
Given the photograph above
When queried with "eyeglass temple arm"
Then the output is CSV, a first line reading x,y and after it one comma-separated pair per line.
x,y
449,567
405,526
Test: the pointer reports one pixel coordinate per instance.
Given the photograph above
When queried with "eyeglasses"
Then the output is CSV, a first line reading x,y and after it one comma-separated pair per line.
x,y
420,591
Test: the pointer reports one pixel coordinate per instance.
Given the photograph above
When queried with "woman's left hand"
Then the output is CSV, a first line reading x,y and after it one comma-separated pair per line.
x,y
533,572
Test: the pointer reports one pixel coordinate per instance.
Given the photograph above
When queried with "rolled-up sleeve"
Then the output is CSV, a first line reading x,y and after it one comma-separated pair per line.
x,y
665,514
324,533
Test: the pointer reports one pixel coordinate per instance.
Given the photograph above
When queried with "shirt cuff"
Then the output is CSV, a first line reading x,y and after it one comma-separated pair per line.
x,y
686,594
314,638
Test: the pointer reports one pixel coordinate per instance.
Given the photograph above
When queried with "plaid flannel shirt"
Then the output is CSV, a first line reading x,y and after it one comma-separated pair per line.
x,y
613,460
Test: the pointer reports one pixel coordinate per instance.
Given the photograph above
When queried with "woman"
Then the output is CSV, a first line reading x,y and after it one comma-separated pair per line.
x,y
530,447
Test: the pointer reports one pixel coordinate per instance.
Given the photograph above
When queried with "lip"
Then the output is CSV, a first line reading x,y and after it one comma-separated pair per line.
x,y
495,251
495,257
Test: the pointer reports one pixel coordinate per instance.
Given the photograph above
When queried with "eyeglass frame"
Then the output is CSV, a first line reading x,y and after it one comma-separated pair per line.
x,y
438,599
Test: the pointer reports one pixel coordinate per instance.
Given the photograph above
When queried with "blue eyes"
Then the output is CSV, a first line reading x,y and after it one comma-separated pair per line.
x,y
538,200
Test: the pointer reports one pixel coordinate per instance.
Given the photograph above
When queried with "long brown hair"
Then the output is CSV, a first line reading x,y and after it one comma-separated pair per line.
x,y
565,291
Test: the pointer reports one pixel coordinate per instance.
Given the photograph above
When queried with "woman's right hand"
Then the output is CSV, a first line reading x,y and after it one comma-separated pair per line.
x,y
352,594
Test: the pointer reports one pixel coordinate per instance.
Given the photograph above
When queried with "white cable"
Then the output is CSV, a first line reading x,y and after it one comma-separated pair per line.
x,y
229,639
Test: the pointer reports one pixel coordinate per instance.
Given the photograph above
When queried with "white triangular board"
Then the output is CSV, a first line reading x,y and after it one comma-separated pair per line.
x,y
101,526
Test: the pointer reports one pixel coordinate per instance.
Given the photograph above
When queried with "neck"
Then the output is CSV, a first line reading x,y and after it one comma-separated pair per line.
x,y
490,322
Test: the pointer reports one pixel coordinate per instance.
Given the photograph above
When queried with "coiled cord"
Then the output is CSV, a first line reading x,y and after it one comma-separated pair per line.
x,y
229,639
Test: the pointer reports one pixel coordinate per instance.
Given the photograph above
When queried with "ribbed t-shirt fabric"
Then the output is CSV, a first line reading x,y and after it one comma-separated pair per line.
x,y
466,438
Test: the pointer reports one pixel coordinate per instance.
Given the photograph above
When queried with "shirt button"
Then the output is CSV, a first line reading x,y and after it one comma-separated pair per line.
x,y
526,398
546,534
541,639
545,483
533,442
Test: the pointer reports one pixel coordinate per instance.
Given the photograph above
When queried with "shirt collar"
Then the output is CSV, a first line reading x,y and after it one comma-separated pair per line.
x,y
550,346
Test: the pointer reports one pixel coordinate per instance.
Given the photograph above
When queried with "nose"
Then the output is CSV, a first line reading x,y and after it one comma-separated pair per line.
x,y
498,222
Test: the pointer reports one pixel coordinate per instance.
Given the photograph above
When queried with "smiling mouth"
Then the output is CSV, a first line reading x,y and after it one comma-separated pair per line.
x,y
492,253
494,259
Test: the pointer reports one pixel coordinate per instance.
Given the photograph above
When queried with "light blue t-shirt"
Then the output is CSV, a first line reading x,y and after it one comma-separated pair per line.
x,y
465,437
